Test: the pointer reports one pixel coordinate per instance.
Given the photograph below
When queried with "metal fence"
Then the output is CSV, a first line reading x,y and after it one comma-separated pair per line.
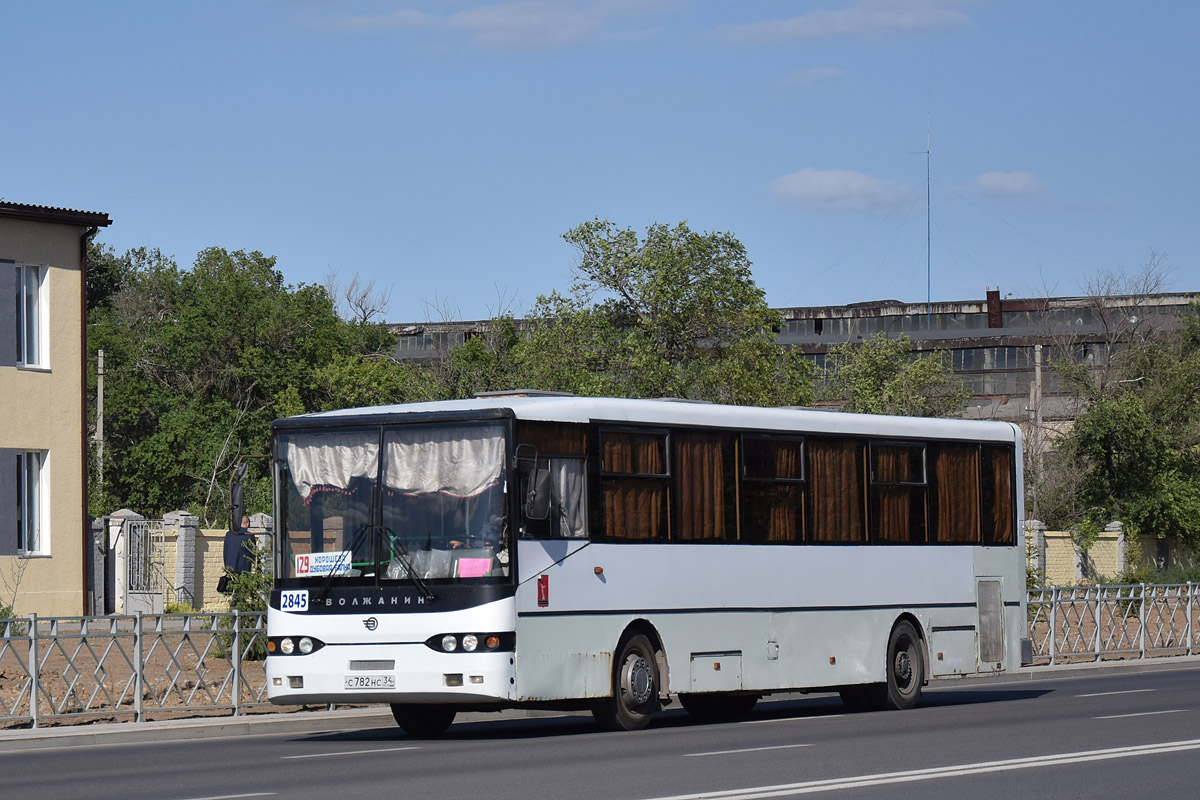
x,y
144,666
1068,624
75,669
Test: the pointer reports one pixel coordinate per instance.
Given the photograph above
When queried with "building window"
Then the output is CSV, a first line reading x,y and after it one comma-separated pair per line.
x,y
30,316
32,532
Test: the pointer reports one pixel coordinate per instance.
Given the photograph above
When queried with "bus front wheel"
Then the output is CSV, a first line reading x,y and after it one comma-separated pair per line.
x,y
422,720
634,687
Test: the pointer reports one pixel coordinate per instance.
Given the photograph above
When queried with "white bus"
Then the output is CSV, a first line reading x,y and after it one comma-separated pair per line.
x,y
525,550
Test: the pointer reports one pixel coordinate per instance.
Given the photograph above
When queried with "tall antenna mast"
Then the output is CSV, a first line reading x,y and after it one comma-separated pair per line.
x,y
928,237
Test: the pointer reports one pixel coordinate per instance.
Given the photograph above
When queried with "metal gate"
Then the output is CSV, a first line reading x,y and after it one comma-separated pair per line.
x,y
146,558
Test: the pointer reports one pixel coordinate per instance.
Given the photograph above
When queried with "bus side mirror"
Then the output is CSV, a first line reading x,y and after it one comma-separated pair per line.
x,y
537,495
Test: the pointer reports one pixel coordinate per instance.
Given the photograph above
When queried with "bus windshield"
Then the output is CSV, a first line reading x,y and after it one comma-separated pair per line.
x,y
423,501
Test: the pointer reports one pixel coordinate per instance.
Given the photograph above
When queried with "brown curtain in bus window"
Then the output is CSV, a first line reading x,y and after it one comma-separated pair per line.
x,y
783,519
633,507
699,473
998,514
786,509
956,470
835,477
891,465
553,438
634,453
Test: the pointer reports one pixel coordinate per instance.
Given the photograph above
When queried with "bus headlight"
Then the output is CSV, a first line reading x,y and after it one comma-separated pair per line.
x,y
286,645
306,645
476,642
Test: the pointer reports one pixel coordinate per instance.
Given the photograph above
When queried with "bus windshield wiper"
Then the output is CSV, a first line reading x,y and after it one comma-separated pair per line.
x,y
406,562
337,565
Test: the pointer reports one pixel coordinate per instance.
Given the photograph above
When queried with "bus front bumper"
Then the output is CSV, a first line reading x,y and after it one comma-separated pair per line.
x,y
403,673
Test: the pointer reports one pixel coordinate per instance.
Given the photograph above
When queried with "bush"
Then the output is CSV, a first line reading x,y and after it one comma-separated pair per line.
x,y
249,592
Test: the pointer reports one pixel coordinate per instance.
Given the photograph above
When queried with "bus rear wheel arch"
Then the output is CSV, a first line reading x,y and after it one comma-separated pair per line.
x,y
635,686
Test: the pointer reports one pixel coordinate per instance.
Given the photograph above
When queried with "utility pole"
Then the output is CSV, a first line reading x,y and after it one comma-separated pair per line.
x,y
100,417
1036,434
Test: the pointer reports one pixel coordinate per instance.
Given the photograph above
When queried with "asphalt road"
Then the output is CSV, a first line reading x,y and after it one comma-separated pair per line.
x,y
1104,733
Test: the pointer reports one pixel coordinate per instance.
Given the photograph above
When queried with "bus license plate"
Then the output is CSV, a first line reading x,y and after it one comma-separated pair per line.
x,y
370,681
293,600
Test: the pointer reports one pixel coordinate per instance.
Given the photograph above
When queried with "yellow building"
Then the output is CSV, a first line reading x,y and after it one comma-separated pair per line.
x,y
45,543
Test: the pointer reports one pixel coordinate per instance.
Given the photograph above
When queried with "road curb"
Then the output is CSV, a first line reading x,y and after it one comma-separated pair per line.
x,y
98,734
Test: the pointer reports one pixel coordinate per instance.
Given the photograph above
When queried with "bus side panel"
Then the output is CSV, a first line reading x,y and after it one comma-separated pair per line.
x,y
790,622
565,657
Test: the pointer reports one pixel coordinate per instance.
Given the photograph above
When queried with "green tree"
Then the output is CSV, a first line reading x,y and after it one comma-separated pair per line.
x,y
1137,442
676,313
884,376
199,362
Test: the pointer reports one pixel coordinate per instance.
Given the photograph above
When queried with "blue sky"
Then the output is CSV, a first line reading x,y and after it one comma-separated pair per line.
x,y
441,148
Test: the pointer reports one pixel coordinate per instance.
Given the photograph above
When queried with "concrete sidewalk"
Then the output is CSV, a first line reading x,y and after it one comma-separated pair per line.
x,y
358,717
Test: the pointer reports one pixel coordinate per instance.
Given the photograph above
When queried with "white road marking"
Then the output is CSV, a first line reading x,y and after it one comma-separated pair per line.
x,y
789,719
746,750
1144,714
909,776
234,796
1110,694
351,752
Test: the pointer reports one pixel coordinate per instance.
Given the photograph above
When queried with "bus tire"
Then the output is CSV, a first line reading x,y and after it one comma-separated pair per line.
x,y
718,705
634,687
422,720
905,670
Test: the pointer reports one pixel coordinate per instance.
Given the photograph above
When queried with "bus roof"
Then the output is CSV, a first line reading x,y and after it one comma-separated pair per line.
x,y
558,408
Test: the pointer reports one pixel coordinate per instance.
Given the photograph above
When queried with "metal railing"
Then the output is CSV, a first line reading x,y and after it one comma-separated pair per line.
x,y
131,667
145,666
1069,624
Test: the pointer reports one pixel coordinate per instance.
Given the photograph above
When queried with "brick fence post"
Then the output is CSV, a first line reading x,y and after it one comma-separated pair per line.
x,y
1122,544
185,527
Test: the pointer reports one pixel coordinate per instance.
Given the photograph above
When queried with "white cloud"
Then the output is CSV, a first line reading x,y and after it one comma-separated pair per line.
x,y
528,24
866,18
1008,185
518,24
809,77
837,190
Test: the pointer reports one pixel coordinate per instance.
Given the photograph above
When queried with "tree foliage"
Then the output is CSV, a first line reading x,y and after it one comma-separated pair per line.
x,y
883,376
1137,442
674,314
198,362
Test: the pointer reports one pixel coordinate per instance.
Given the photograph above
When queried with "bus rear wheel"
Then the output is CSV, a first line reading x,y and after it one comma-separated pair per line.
x,y
634,687
422,720
718,706
905,671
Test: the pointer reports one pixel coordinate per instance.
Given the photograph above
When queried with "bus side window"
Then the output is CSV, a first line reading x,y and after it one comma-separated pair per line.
x,y
568,509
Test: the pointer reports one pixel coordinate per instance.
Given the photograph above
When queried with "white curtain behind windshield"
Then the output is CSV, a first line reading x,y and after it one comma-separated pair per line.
x,y
331,460
462,461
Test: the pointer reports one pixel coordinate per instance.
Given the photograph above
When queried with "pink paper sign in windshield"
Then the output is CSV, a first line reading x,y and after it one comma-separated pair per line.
x,y
474,567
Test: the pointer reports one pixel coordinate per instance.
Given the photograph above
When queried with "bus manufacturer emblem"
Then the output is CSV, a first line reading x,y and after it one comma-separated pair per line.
x,y
370,623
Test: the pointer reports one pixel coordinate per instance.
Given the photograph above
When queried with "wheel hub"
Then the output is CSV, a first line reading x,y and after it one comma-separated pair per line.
x,y
638,680
904,670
